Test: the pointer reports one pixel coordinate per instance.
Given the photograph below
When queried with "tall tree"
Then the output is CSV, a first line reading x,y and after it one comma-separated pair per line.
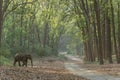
x,y
114,31
1,19
97,11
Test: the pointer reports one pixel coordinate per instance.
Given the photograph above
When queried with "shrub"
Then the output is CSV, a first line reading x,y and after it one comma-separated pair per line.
x,y
71,52
5,56
43,51
4,52
5,61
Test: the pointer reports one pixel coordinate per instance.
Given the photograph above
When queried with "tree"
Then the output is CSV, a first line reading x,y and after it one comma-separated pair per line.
x,y
1,20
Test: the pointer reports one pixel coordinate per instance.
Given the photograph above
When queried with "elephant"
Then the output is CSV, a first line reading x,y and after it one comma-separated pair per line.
x,y
20,57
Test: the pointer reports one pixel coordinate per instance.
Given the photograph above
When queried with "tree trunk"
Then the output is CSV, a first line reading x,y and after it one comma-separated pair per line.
x,y
45,35
108,39
118,56
113,32
1,20
95,40
97,11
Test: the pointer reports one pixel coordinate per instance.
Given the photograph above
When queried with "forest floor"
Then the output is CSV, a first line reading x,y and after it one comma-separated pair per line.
x,y
44,69
92,71
51,68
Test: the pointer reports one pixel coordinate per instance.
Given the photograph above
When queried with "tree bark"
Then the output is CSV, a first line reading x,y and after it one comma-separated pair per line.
x,y
118,56
45,39
113,32
1,20
108,39
97,11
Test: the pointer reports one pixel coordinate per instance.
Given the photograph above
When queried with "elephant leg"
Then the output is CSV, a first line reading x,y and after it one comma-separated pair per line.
x,y
24,63
14,63
19,63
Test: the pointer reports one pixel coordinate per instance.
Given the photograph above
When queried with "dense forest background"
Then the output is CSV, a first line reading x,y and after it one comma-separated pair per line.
x,y
47,27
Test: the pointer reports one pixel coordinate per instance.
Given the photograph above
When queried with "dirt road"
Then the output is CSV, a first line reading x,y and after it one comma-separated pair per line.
x,y
76,69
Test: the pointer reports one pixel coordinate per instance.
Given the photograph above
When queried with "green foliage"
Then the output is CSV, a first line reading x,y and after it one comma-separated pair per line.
x,y
71,52
5,61
43,51
5,56
24,26
5,52
17,49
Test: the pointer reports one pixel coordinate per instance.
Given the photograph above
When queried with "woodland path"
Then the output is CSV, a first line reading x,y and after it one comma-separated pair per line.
x,y
76,69
47,68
